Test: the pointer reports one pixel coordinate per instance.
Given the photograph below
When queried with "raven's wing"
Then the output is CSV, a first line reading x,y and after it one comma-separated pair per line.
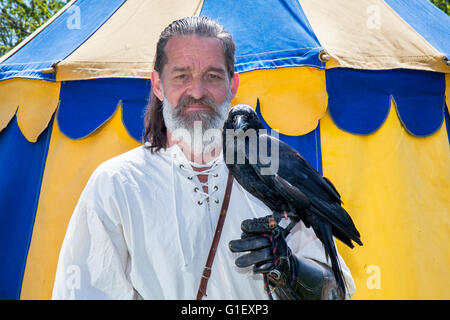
x,y
247,175
299,183
289,165
267,171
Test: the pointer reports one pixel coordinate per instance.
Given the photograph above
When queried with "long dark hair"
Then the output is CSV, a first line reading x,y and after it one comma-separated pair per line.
x,y
155,131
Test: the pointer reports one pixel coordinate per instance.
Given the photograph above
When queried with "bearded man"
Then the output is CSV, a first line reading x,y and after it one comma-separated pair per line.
x,y
144,224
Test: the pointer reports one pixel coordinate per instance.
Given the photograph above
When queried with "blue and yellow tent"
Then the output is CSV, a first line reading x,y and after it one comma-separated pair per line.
x,y
358,87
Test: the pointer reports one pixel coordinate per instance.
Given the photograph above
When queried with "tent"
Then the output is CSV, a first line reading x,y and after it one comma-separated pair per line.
x,y
358,87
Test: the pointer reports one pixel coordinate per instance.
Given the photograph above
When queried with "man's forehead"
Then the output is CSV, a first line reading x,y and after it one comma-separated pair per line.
x,y
187,52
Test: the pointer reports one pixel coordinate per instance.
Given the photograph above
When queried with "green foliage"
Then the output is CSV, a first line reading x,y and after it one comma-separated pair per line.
x,y
19,18
444,5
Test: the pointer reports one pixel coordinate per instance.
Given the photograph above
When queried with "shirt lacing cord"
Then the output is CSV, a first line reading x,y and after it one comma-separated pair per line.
x,y
208,172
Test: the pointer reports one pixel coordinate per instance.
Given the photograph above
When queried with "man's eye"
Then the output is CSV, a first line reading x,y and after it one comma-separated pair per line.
x,y
180,76
213,76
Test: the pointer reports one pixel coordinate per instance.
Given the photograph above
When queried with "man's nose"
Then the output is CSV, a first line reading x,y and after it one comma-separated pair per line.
x,y
197,88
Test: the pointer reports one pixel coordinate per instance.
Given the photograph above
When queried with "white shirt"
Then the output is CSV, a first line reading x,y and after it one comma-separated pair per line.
x,y
139,232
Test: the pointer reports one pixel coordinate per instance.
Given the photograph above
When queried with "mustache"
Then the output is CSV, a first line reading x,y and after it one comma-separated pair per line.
x,y
188,100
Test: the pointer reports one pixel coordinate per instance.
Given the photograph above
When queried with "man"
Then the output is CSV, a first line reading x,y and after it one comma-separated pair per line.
x,y
144,223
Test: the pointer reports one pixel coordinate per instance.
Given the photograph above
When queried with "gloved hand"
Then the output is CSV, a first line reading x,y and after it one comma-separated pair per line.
x,y
269,252
292,278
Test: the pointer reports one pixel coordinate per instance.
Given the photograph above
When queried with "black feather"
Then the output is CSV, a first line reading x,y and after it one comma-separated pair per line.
x,y
293,185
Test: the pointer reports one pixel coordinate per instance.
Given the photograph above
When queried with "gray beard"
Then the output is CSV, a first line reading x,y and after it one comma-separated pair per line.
x,y
200,130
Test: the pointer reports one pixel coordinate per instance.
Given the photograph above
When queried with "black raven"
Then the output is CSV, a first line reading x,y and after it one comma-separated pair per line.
x,y
282,179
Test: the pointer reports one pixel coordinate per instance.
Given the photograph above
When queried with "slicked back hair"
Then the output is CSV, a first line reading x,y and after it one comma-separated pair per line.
x,y
155,131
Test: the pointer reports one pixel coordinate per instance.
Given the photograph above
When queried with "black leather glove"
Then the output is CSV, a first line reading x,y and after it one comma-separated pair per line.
x,y
291,278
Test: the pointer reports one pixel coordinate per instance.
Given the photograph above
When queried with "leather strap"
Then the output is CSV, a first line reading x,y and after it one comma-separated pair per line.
x,y
212,251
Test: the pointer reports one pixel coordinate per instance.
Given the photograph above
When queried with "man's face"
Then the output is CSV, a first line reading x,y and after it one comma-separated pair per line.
x,y
195,81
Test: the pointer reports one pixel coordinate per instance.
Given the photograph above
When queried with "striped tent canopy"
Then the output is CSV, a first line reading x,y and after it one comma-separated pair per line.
x,y
358,87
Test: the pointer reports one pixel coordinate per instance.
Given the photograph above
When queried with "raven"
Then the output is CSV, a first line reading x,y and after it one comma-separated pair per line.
x,y
292,187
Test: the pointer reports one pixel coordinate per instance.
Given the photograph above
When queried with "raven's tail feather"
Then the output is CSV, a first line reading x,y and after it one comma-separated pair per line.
x,y
323,232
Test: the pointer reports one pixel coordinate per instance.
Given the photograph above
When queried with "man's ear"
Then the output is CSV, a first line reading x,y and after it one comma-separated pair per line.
x,y
234,85
156,85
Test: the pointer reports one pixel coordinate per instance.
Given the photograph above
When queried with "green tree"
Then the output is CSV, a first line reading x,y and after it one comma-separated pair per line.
x,y
444,5
19,18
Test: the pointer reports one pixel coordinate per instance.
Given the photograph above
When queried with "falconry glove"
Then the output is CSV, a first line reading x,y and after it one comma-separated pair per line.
x,y
290,277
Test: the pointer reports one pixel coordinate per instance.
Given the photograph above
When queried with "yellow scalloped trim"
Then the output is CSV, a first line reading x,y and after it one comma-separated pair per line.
x,y
35,102
292,100
9,102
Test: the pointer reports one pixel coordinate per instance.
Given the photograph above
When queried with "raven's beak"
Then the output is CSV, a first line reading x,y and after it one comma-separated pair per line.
x,y
239,122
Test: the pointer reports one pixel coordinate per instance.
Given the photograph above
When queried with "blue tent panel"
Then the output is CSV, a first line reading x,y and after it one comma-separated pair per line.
x,y
87,104
414,119
21,170
288,39
427,19
59,39
356,103
419,106
358,100
133,117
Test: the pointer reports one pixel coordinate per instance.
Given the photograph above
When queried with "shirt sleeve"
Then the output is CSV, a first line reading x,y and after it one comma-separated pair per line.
x,y
94,260
304,243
